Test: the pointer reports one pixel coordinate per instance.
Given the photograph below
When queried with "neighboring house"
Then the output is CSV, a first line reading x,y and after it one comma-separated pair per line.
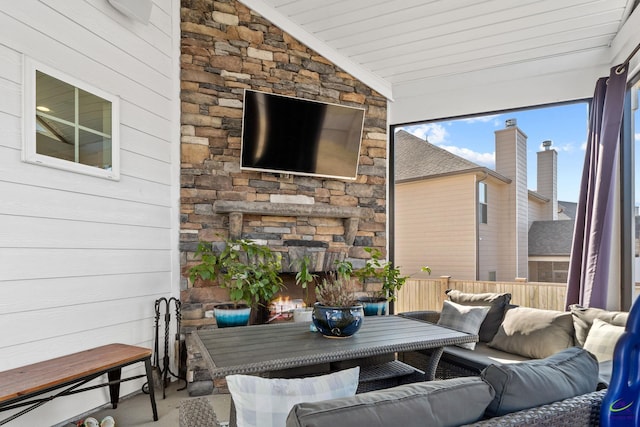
x,y
471,222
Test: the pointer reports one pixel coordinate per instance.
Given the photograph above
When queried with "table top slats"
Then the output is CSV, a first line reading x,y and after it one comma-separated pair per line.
x,y
262,348
34,378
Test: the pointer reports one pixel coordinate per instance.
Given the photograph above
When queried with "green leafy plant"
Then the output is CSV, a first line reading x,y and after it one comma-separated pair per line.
x,y
335,291
375,269
304,276
250,271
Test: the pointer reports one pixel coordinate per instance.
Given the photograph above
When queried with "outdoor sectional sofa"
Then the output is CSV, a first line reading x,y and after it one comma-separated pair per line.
x,y
510,334
540,367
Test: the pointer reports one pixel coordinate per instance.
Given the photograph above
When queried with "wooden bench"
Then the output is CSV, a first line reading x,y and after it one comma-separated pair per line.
x,y
20,386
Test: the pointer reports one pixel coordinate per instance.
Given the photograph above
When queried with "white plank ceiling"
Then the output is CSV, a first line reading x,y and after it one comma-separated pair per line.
x,y
407,40
412,50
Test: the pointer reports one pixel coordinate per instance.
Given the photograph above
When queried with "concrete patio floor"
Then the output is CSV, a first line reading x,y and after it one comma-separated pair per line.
x,y
135,410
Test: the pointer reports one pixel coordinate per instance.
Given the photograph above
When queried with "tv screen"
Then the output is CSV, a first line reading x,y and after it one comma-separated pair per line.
x,y
289,135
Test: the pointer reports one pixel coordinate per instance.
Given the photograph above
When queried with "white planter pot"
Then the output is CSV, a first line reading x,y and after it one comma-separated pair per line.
x,y
302,314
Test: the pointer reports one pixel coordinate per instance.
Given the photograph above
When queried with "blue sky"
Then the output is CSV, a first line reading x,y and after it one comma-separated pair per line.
x,y
474,139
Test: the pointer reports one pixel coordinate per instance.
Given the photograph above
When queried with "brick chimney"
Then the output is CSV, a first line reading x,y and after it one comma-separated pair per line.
x,y
511,162
548,179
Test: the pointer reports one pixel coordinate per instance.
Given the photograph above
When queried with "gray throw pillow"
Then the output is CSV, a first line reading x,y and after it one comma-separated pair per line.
x,y
428,403
463,318
498,303
534,332
583,319
532,383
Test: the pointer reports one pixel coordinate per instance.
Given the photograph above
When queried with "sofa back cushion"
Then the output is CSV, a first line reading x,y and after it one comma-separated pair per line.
x,y
525,385
583,319
497,303
534,332
430,403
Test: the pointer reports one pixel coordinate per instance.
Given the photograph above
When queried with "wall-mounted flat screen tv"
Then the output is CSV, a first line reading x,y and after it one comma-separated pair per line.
x,y
289,135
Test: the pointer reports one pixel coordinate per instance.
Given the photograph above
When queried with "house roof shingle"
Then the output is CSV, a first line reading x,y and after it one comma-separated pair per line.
x,y
417,158
550,237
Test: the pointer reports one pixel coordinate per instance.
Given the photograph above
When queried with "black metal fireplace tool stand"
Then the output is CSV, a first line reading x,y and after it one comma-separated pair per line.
x,y
164,371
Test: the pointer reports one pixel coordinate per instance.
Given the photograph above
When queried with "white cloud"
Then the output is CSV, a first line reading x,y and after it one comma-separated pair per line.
x,y
638,137
483,119
435,133
569,147
483,159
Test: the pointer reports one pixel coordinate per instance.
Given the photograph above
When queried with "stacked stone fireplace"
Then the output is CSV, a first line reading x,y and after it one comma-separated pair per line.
x,y
225,49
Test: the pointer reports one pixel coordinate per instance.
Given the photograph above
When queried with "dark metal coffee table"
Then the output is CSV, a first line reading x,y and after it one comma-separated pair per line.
x,y
266,348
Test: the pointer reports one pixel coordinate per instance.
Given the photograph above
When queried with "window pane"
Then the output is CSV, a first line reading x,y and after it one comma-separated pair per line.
x,y
55,97
55,139
94,112
95,150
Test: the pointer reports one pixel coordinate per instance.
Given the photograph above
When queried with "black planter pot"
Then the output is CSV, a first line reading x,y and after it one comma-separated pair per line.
x,y
337,322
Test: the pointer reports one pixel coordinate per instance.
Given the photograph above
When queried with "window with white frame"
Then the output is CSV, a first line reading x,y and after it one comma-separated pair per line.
x,y
69,124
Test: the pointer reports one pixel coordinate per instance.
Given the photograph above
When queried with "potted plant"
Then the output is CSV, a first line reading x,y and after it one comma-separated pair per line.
x,y
389,277
250,272
337,313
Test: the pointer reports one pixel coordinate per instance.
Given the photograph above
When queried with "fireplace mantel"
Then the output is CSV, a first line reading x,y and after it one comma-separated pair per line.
x,y
236,210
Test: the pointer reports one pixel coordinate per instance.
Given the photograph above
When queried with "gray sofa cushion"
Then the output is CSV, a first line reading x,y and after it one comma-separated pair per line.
x,y
481,357
583,319
534,332
463,318
524,385
421,404
497,301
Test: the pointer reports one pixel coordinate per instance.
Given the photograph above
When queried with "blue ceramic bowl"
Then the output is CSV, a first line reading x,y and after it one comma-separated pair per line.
x,y
337,322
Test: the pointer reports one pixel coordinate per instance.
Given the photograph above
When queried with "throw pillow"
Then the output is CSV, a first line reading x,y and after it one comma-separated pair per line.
x,y
463,318
532,383
453,402
602,339
583,319
498,303
265,402
534,332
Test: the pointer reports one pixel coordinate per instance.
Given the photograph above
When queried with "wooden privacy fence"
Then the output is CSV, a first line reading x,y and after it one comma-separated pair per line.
x,y
428,294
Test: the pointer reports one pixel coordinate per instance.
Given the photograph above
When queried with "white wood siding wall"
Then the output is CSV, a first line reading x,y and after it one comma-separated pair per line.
x,y
435,225
83,259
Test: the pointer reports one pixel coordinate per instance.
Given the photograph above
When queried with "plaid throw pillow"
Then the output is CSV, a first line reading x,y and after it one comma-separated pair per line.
x,y
602,338
266,402
463,318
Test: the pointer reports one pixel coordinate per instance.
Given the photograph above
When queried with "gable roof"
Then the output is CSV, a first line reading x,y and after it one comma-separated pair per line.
x,y
567,209
550,237
417,159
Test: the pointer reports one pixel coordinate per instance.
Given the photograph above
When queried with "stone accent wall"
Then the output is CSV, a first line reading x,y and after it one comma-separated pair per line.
x,y
226,48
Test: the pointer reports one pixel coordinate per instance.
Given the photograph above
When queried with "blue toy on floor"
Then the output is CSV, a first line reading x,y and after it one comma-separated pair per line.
x,y
621,404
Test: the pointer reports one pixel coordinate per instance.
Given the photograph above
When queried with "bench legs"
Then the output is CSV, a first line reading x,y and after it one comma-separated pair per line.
x,y
114,386
115,376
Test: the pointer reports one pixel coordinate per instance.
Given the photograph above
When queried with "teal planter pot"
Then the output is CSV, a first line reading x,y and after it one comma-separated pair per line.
x,y
374,306
228,316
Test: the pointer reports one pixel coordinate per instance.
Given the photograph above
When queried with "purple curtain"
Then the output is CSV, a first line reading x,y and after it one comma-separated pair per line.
x,y
589,264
